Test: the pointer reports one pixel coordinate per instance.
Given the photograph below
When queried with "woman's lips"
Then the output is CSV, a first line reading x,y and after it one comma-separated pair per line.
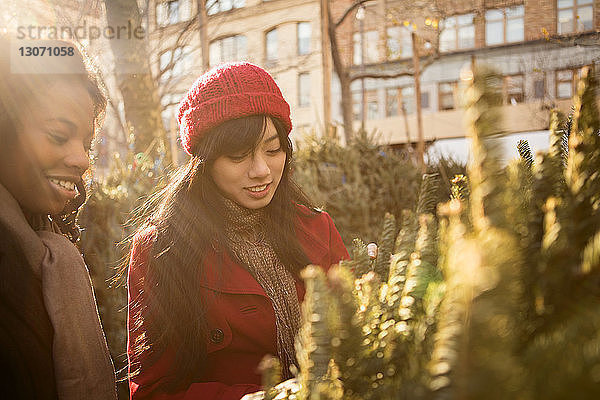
x,y
66,188
258,191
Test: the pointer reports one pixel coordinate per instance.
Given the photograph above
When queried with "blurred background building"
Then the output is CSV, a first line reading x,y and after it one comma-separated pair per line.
x,y
538,46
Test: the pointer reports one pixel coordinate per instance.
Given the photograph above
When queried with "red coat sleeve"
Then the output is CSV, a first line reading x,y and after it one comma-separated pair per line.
x,y
143,383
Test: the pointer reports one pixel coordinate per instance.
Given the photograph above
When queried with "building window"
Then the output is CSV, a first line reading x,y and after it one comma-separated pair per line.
x,y
391,102
372,105
566,81
457,32
446,93
575,15
371,51
424,99
357,106
169,103
514,91
303,38
371,48
174,62
407,95
271,45
303,89
231,48
539,87
217,6
504,25
357,47
173,11
399,43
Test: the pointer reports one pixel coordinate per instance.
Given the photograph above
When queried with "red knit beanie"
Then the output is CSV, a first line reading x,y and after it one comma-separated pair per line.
x,y
229,91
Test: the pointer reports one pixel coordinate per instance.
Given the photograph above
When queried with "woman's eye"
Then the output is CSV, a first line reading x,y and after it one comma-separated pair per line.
x,y
236,158
274,151
57,138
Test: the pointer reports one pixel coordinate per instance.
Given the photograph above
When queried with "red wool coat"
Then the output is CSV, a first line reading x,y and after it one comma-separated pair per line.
x,y
241,321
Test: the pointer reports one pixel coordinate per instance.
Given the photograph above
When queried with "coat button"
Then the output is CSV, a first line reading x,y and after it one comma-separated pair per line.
x,y
216,336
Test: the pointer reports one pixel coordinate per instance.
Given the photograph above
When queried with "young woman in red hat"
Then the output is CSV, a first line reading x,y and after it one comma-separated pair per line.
x,y
213,273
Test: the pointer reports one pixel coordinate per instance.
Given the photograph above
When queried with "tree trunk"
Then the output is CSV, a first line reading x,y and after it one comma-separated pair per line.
x,y
344,78
134,78
326,60
347,116
204,40
417,76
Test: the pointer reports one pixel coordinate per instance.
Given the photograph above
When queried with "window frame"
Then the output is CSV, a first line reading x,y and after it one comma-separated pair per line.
x,y
298,38
301,103
392,93
574,16
221,40
235,5
505,89
403,42
182,6
372,97
454,86
273,58
357,108
372,50
176,55
575,75
357,48
408,99
539,77
505,21
425,95
456,28
400,99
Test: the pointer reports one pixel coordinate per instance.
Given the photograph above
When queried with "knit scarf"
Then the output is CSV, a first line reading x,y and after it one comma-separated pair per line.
x,y
246,235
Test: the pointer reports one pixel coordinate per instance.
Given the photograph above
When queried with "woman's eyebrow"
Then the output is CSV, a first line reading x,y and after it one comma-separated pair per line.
x,y
65,121
275,136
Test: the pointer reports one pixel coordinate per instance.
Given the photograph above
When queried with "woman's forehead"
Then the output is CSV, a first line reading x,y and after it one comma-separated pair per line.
x,y
64,100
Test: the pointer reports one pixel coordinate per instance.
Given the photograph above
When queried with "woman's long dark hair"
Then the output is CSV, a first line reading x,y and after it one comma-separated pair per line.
x,y
189,217
18,89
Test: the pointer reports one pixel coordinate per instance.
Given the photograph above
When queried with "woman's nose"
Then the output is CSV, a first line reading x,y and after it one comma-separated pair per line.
x,y
259,167
78,157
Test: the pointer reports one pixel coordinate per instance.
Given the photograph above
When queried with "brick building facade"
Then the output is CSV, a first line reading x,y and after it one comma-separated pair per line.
x,y
532,43
283,36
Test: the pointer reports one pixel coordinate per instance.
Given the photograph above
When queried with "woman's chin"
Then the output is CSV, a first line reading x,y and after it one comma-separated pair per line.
x,y
53,208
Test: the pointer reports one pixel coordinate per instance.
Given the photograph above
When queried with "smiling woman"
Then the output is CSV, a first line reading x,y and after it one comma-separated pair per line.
x,y
44,162
214,270
250,178
52,344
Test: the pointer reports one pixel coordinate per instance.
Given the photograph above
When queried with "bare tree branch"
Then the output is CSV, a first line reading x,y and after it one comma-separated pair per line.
x,y
349,10
407,71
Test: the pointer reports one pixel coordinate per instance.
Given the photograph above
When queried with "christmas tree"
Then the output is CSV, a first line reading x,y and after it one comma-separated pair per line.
x,y
494,294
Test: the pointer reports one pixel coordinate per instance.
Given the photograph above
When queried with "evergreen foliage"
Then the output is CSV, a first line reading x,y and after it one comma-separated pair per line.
x,y
361,181
495,296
